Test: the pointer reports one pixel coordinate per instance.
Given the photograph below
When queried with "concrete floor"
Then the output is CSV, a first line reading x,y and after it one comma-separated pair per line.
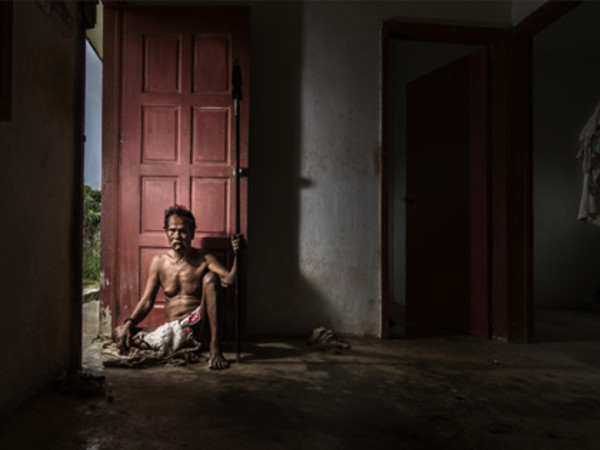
x,y
446,392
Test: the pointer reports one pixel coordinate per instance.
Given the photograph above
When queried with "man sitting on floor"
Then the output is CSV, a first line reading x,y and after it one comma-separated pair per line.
x,y
191,280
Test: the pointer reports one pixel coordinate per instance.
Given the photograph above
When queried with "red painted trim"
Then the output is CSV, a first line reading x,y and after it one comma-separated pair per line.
x,y
110,158
479,217
512,293
442,33
520,297
498,196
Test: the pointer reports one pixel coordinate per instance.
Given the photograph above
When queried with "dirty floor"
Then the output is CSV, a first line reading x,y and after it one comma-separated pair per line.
x,y
445,392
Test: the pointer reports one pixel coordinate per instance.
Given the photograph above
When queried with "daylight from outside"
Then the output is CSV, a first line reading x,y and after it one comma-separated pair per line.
x,y
92,178
93,119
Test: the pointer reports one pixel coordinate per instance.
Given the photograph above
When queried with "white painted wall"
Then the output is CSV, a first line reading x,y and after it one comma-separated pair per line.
x,y
314,230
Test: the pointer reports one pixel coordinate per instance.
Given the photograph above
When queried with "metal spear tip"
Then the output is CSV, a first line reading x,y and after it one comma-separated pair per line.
x,y
236,81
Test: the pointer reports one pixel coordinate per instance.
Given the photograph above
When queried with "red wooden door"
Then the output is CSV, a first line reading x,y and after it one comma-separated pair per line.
x,y
446,229
177,137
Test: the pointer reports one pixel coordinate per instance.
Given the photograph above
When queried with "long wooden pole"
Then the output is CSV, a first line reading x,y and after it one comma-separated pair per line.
x,y
236,94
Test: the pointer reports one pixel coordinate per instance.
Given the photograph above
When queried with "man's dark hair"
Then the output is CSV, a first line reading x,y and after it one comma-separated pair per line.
x,y
181,211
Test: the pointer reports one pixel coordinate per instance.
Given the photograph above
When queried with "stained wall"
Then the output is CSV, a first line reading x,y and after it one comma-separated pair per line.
x,y
314,224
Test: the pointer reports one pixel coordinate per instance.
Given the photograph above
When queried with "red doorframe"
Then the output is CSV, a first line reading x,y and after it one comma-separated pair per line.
x,y
510,265
512,191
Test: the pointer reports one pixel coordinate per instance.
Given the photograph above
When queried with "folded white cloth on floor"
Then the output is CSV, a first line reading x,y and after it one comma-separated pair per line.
x,y
168,338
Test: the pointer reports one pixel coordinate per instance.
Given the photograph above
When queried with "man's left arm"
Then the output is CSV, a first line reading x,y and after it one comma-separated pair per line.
x,y
227,277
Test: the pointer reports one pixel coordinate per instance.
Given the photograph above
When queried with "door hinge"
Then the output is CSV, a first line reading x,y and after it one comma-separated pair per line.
x,y
242,172
121,136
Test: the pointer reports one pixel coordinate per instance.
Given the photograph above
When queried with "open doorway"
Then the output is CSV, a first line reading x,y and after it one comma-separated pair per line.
x,y
566,91
92,180
449,293
409,61
511,168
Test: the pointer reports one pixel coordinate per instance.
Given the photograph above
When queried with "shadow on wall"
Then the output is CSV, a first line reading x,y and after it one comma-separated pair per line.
x,y
279,300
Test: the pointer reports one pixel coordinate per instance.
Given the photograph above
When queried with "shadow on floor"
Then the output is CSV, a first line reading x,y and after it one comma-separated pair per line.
x,y
430,393
567,325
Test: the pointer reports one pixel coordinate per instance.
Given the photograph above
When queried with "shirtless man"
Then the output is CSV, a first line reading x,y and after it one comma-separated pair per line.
x,y
190,278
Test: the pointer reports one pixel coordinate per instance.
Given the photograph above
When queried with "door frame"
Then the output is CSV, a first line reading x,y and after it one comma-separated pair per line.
x,y
510,214
423,32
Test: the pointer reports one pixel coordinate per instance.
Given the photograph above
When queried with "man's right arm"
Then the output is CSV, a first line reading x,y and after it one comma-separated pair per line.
x,y
123,333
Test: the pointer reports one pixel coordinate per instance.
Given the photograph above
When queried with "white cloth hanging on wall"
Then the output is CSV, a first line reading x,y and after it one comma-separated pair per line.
x,y
589,155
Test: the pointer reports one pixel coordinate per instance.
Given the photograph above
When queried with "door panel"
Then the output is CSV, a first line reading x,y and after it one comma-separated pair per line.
x,y
446,233
177,136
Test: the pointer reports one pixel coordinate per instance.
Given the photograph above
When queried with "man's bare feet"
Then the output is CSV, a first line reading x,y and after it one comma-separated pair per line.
x,y
217,361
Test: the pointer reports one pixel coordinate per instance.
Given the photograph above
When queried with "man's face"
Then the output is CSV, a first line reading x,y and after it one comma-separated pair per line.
x,y
179,234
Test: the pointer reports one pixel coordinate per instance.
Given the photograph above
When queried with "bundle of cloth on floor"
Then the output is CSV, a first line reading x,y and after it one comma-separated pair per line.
x,y
166,345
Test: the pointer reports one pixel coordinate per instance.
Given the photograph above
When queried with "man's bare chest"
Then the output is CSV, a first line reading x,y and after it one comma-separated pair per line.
x,y
174,274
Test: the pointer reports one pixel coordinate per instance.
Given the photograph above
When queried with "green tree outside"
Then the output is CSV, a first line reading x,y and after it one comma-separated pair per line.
x,y
91,235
